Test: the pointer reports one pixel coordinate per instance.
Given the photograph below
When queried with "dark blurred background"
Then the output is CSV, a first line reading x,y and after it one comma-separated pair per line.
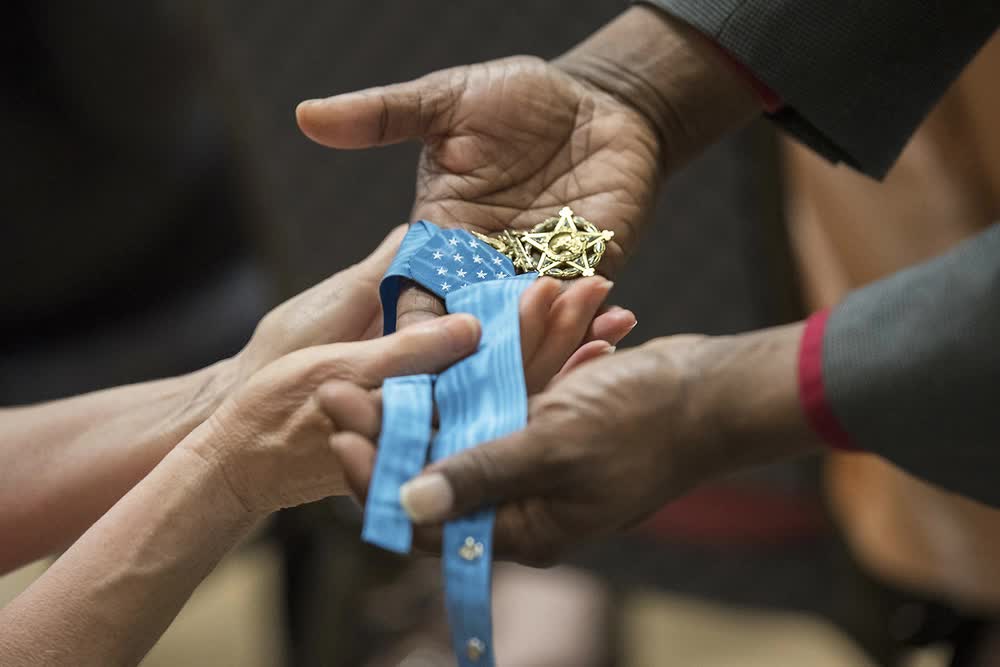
x,y
157,199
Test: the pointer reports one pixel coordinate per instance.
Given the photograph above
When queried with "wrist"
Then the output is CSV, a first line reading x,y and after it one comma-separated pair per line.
x,y
743,398
671,74
207,479
207,389
192,399
207,450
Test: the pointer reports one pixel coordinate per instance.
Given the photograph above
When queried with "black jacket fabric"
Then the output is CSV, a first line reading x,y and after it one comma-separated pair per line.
x,y
856,76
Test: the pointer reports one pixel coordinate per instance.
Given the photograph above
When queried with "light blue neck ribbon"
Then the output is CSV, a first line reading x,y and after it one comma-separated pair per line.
x,y
481,398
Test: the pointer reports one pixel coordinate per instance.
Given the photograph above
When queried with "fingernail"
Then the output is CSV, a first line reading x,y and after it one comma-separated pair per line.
x,y
307,104
427,498
624,316
611,349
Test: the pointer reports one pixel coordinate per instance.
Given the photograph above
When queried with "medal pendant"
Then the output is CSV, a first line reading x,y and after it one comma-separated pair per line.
x,y
567,246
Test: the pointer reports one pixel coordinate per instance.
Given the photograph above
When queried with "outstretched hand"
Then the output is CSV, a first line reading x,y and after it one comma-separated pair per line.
x,y
507,143
606,444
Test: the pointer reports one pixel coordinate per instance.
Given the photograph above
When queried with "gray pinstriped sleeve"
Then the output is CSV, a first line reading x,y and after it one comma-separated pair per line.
x,y
856,76
911,368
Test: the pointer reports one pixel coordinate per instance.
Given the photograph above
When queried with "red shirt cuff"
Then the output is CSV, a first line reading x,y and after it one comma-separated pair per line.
x,y
769,100
812,391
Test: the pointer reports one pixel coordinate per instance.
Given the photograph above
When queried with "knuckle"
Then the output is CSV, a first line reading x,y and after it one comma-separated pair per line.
x,y
529,541
315,421
331,366
367,273
414,298
271,328
333,396
549,407
290,371
384,118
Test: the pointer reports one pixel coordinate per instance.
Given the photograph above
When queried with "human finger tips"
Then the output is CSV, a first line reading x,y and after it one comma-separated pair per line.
x,y
573,311
612,326
533,311
433,345
568,321
428,347
373,117
356,455
351,407
497,471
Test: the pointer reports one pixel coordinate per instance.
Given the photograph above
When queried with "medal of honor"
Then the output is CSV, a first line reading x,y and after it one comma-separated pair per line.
x,y
567,246
482,397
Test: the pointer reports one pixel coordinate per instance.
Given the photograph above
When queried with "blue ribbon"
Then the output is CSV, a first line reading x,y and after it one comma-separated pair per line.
x,y
481,398
406,429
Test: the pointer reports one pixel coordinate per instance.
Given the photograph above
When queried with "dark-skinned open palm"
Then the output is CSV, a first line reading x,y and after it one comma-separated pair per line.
x,y
507,143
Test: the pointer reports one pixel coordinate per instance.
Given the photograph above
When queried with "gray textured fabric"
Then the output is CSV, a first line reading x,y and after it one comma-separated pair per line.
x,y
857,76
911,366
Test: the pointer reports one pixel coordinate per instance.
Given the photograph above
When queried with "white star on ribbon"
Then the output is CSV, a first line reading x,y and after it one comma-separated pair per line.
x,y
442,271
445,286
461,273
477,259
458,258
481,275
497,261
438,254
501,275
453,241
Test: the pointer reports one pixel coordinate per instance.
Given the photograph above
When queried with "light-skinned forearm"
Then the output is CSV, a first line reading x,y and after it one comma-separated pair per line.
x,y
110,596
64,463
672,74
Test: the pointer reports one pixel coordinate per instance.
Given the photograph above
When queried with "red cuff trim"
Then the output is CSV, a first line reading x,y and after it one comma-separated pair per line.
x,y
769,100
812,391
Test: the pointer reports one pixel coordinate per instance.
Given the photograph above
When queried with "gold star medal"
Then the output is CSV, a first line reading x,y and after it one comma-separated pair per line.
x,y
564,247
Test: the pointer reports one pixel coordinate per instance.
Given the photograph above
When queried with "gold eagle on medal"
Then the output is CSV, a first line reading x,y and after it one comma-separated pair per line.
x,y
567,246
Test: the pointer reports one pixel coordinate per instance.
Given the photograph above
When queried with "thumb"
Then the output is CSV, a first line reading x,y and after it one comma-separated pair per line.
x,y
383,115
497,471
428,347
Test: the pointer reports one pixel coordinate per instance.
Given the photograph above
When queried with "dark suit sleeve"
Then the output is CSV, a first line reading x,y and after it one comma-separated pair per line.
x,y
856,76
909,368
